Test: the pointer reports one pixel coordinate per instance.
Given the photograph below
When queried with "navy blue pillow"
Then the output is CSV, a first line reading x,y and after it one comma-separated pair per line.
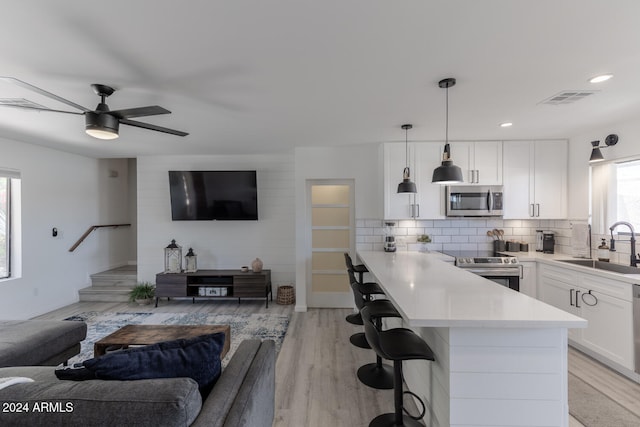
x,y
197,358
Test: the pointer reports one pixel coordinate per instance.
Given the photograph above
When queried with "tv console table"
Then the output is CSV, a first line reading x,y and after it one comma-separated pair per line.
x,y
215,284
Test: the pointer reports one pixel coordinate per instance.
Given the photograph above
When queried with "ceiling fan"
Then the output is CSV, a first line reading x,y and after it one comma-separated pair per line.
x,y
100,123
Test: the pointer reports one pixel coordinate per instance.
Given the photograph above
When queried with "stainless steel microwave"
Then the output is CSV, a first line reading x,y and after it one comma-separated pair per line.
x,y
474,200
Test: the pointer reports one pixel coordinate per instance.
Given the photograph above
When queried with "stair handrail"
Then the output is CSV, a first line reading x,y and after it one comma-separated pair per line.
x,y
91,229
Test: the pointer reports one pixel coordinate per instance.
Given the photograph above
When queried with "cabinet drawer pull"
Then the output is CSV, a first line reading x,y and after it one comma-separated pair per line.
x,y
577,295
571,296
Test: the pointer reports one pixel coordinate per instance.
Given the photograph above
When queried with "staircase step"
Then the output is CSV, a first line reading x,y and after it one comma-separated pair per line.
x,y
105,293
126,275
111,285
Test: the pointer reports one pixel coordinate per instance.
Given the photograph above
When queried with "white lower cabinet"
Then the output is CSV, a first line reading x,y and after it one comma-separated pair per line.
x,y
528,279
604,303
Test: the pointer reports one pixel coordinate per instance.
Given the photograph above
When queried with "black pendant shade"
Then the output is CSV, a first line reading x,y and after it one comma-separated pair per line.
x,y
407,186
447,172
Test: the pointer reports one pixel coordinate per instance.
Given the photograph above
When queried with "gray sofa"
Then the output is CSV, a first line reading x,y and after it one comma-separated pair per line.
x,y
243,396
39,342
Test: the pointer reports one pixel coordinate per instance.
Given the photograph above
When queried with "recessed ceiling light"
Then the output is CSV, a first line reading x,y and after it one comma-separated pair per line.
x,y
601,78
506,124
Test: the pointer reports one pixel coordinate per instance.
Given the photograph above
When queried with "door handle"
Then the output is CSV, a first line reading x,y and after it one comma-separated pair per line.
x,y
533,210
477,176
571,291
415,210
577,294
538,206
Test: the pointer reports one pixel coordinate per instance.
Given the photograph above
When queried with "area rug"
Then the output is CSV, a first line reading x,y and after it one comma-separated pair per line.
x,y
243,326
594,409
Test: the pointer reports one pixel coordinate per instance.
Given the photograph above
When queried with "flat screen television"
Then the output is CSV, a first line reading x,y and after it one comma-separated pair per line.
x,y
213,195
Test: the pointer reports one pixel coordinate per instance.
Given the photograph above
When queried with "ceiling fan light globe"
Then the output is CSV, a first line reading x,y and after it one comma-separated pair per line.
x,y
101,134
101,126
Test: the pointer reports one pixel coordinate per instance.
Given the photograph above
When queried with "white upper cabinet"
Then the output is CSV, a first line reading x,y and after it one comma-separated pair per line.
x,y
481,162
535,179
427,203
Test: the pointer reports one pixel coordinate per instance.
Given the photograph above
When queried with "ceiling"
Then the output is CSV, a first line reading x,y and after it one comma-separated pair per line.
x,y
255,76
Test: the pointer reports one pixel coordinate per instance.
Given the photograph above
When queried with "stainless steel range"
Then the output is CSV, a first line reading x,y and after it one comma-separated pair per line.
x,y
505,270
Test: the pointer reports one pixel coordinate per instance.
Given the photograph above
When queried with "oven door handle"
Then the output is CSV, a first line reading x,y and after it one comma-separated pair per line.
x,y
493,272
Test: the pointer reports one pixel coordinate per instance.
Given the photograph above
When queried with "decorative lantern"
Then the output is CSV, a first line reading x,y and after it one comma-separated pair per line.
x,y
191,262
173,258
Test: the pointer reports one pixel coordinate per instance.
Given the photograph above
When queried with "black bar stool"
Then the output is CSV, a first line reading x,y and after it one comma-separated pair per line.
x,y
360,268
362,293
378,375
396,344
369,288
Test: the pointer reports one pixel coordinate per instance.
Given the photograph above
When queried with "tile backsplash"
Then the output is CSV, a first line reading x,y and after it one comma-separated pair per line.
x,y
460,234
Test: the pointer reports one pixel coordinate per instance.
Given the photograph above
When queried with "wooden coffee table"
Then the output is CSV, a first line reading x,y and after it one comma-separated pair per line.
x,y
152,334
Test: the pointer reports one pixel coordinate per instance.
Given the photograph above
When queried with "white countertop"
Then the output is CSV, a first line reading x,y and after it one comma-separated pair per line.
x,y
431,292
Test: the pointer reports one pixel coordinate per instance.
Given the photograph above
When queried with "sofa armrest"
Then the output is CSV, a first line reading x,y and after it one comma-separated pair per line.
x,y
245,393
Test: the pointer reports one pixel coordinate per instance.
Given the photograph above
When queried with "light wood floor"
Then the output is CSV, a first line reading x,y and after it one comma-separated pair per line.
x,y
316,385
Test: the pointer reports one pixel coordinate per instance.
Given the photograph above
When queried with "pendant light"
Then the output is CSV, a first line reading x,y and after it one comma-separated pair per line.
x,y
406,186
447,172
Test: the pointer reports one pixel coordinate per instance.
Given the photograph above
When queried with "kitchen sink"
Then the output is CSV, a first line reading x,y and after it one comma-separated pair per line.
x,y
601,265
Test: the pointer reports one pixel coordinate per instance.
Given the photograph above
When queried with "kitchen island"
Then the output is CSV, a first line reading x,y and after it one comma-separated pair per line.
x,y
501,356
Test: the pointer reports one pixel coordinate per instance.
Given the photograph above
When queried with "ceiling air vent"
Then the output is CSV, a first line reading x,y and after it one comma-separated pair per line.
x,y
19,102
568,97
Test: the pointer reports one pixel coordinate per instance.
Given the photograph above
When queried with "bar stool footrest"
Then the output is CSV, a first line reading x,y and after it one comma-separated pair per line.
x,y
355,319
389,420
359,340
376,376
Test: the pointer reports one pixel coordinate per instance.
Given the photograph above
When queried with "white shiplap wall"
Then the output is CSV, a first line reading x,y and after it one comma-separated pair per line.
x,y
219,244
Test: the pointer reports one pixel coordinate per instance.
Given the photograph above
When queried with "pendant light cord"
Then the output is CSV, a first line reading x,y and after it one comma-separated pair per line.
x,y
446,130
406,147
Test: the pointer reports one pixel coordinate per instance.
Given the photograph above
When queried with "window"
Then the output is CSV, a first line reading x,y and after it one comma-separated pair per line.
x,y
10,224
628,194
5,227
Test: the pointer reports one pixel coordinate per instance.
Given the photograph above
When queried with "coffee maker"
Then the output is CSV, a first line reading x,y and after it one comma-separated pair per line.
x,y
548,242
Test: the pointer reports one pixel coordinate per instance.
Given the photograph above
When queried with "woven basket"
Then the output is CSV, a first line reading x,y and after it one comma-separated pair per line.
x,y
286,295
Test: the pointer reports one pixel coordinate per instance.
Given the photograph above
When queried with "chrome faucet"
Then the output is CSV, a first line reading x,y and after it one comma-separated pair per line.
x,y
634,260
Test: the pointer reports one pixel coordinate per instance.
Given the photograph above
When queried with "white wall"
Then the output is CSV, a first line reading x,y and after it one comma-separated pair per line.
x,y
218,244
361,163
71,193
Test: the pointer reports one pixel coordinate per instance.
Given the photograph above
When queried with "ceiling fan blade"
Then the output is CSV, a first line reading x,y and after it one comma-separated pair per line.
x,y
152,110
43,92
51,110
152,127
